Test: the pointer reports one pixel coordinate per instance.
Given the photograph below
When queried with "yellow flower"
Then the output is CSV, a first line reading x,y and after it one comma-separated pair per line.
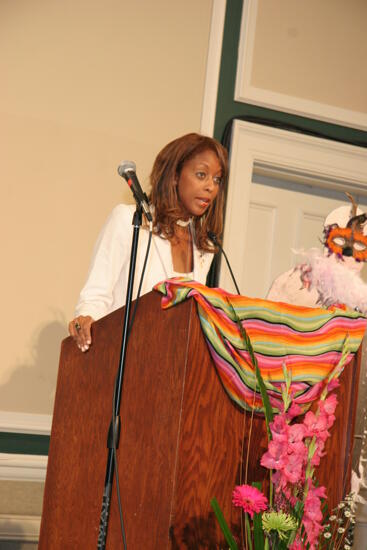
x,y
280,522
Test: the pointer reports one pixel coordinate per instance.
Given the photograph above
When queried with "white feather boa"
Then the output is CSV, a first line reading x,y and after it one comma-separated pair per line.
x,y
334,281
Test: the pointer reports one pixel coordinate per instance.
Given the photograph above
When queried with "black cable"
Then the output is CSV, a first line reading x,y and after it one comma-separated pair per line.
x,y
141,280
212,236
115,418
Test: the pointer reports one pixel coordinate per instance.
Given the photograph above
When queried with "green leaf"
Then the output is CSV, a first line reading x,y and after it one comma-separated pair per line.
x,y
223,524
257,523
287,376
285,388
268,411
248,532
282,545
298,510
258,532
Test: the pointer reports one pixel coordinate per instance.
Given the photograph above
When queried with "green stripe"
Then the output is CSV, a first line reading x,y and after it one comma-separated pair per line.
x,y
24,444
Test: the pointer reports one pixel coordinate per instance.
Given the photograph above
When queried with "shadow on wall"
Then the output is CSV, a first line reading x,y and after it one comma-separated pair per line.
x,y
31,387
20,539
18,545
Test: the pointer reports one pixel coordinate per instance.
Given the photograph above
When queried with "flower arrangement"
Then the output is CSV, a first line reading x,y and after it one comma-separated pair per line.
x,y
293,515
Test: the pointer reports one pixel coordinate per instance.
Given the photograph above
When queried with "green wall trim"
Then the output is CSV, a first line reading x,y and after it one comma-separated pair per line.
x,y
227,108
24,444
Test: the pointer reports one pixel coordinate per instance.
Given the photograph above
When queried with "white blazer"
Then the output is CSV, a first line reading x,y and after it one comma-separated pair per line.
x,y
106,284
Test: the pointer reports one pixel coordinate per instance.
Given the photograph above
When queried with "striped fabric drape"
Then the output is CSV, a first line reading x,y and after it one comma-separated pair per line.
x,y
308,341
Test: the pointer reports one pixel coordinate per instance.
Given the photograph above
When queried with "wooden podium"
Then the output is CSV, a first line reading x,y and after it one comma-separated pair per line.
x,y
183,441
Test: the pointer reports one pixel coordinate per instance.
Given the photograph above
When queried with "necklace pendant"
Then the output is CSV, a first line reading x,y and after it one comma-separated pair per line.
x,y
183,223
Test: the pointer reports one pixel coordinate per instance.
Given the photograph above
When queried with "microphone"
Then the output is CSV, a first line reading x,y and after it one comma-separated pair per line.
x,y
212,236
127,170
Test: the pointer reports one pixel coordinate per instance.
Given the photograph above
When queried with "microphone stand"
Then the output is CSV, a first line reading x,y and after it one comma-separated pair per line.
x,y
114,429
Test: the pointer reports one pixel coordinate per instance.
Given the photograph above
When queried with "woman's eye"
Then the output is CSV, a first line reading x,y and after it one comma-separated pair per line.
x,y
359,246
201,175
218,180
339,241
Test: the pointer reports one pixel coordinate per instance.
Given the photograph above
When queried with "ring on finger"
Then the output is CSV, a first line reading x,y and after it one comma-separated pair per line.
x,y
77,326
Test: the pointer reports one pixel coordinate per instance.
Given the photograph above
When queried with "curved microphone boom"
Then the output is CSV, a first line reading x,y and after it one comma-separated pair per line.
x,y
212,236
127,170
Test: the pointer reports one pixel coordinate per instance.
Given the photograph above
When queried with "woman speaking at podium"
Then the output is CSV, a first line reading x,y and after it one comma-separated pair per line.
x,y
186,201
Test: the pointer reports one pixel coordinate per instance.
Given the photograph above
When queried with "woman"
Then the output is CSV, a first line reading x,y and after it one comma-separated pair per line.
x,y
187,195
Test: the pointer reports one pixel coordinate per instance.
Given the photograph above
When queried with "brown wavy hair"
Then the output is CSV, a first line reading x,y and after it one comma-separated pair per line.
x,y
164,197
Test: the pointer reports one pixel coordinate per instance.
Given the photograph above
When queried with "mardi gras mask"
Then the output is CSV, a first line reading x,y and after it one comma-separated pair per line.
x,y
344,241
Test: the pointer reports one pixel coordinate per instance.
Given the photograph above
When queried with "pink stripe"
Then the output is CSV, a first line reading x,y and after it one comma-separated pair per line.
x,y
342,325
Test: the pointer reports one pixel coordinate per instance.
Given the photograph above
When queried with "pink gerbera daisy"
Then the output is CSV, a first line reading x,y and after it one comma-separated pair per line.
x,y
250,499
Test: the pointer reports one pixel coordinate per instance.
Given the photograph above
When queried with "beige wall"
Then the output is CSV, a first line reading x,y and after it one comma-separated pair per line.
x,y
314,50
84,84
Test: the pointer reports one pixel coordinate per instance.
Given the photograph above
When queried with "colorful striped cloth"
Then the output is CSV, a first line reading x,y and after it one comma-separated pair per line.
x,y
308,341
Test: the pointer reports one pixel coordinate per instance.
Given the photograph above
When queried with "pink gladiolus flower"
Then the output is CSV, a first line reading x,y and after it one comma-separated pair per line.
x,y
329,404
315,425
300,450
292,471
293,411
250,499
294,460
331,420
296,433
328,407
296,545
279,428
312,510
280,482
276,456
317,492
320,445
333,384
312,517
313,530
322,436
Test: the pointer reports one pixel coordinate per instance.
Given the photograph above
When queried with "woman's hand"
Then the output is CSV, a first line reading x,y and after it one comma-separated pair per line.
x,y
80,330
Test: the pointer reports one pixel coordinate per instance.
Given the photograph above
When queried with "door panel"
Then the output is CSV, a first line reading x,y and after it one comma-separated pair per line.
x,y
282,216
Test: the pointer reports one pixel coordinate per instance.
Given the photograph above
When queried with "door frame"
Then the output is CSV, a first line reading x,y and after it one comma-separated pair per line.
x,y
294,156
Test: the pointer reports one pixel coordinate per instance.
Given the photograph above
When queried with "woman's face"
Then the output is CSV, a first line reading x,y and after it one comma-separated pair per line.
x,y
198,183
